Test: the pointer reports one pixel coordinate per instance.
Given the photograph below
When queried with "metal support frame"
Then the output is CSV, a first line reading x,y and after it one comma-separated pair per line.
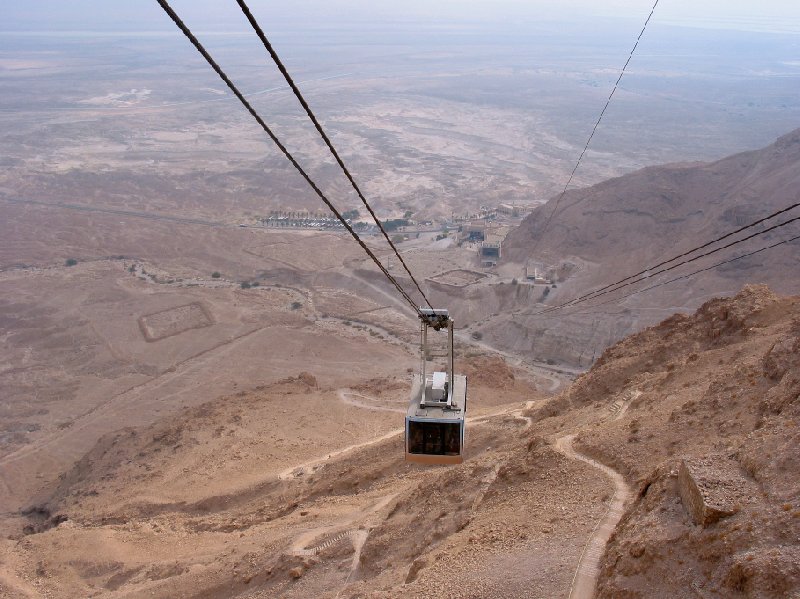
x,y
437,319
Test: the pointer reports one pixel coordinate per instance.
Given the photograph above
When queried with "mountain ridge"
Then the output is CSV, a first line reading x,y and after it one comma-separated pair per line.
x,y
715,196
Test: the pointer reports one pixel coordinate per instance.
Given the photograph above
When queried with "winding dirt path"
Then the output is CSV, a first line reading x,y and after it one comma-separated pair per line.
x,y
366,402
311,465
558,376
344,528
585,579
355,527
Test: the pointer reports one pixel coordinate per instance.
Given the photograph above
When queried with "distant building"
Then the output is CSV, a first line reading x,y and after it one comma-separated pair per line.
x,y
490,253
514,210
509,210
537,274
491,248
474,231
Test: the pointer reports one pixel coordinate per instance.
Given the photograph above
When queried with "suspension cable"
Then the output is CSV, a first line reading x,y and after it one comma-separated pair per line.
x,y
589,310
729,245
262,36
594,130
191,37
647,271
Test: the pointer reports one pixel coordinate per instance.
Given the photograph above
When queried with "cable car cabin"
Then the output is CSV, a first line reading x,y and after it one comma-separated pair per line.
x,y
435,427
436,414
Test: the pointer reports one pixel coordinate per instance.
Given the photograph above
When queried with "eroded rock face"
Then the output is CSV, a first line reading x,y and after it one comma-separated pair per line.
x,y
624,225
711,489
712,440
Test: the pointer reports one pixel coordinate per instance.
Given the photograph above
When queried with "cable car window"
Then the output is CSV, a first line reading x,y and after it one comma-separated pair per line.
x,y
434,438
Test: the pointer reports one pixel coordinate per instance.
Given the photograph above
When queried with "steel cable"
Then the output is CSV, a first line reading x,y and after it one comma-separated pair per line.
x,y
594,129
589,310
646,271
282,68
196,43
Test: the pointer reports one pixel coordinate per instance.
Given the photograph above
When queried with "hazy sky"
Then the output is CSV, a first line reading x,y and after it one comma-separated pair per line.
x,y
224,15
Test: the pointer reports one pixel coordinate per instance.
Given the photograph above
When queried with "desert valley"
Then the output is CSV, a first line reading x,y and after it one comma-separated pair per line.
x,y
204,377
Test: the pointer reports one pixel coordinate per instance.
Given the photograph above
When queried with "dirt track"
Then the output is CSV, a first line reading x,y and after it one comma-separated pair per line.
x,y
585,579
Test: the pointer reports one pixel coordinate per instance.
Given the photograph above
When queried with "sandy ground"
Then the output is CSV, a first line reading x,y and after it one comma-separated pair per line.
x,y
323,526
297,486
167,432
201,435
715,392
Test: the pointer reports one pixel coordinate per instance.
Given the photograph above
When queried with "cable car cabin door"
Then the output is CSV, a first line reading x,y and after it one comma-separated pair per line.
x,y
434,441
434,431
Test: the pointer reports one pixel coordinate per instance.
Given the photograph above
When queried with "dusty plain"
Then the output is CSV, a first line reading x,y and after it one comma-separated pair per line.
x,y
167,432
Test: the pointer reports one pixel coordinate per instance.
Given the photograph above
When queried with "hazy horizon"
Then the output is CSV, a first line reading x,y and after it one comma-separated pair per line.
x,y
778,16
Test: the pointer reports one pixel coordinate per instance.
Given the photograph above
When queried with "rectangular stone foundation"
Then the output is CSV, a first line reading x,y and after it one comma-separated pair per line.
x,y
711,488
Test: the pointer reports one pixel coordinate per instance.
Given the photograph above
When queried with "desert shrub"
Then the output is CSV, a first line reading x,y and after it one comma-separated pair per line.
x,y
394,224
245,285
477,335
296,305
70,262
215,275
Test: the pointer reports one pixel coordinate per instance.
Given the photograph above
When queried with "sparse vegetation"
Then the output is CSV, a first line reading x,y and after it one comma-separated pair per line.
x,y
70,262
296,305
215,275
245,285
394,224
477,335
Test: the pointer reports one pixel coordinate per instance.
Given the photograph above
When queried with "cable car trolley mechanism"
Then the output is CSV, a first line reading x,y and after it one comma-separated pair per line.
x,y
436,414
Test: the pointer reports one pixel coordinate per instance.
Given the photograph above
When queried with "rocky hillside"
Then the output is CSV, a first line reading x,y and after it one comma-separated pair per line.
x,y
606,232
703,422
686,430
636,219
